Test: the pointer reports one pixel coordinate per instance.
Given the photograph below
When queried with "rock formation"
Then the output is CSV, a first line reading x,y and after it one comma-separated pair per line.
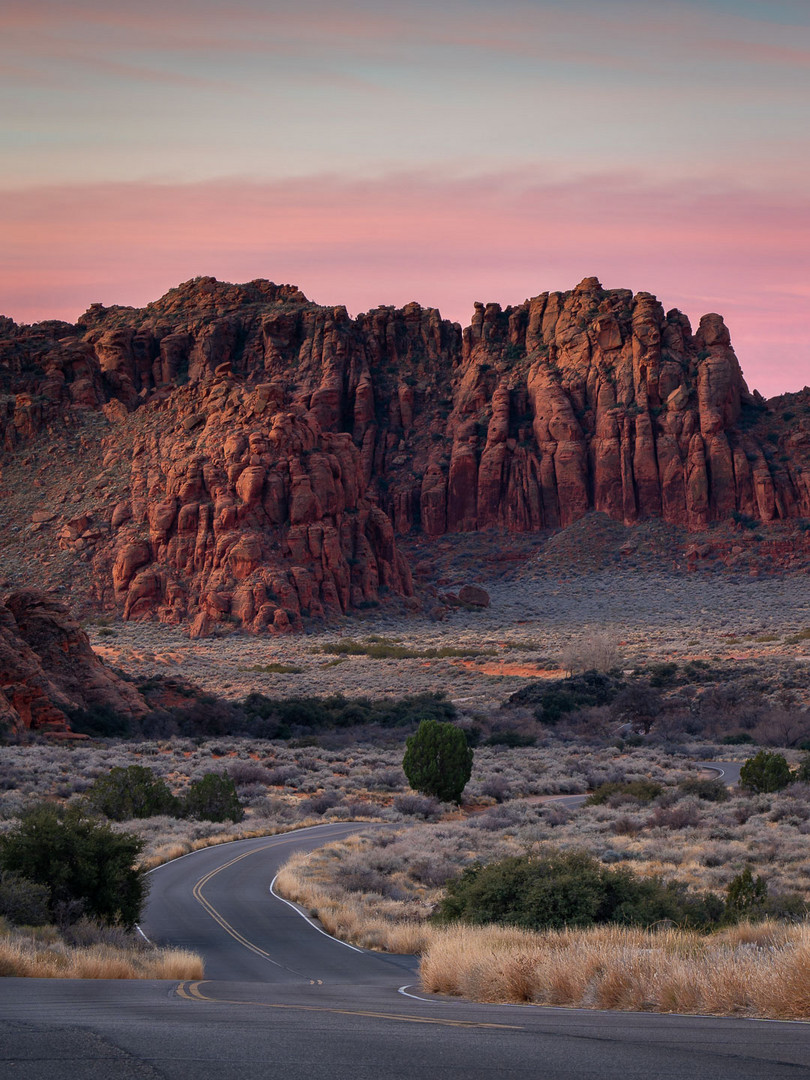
x,y
48,668
265,453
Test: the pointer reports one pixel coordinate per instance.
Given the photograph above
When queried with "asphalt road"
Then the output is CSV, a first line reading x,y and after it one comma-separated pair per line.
x,y
281,999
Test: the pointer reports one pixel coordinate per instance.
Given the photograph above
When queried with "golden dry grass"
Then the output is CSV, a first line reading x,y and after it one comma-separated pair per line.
x,y
348,919
25,957
759,970
173,850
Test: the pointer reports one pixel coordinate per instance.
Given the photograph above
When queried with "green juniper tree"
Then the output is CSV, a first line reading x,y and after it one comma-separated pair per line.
x,y
765,772
438,760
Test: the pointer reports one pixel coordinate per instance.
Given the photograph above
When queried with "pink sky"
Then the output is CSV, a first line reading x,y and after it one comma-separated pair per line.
x,y
373,152
444,242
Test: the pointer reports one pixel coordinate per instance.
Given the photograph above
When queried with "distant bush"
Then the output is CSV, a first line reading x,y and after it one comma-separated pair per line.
x,y
765,772
643,791
571,888
132,792
213,798
709,790
282,718
510,738
551,702
86,867
101,721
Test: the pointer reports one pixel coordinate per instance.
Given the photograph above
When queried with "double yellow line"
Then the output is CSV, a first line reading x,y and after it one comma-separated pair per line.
x,y
192,992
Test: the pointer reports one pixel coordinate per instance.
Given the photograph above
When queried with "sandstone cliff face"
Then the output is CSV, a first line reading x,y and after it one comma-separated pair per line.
x,y
48,667
271,451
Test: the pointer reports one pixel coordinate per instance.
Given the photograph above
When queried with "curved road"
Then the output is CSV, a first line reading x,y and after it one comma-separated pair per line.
x,y
281,999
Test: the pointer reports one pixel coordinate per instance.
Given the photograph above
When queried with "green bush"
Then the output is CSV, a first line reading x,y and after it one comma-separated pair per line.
x,y
213,798
438,760
87,868
746,896
282,718
570,888
551,703
101,721
133,792
23,902
709,790
765,772
803,775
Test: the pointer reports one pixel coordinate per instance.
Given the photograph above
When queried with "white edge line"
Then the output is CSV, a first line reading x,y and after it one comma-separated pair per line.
x,y
143,935
404,991
306,918
537,1005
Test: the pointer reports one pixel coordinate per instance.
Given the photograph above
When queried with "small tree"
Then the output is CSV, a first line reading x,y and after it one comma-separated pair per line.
x,y
438,760
765,772
134,792
746,895
214,798
87,868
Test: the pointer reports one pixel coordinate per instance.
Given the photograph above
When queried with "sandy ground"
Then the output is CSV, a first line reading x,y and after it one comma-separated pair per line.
x,y
533,618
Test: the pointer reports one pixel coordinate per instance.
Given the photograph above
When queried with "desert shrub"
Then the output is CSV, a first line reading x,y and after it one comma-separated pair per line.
x,y
639,705
597,652
708,790
803,774
438,761
423,806
209,716
102,721
643,791
571,888
510,739
132,792
746,895
765,772
247,773
663,674
23,902
283,774
495,787
683,815
327,800
550,703
87,868
213,798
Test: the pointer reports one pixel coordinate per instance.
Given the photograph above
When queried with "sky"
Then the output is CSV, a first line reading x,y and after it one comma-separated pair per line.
x,y
375,152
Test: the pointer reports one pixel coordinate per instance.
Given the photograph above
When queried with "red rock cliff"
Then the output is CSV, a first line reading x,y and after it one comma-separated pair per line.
x,y
271,450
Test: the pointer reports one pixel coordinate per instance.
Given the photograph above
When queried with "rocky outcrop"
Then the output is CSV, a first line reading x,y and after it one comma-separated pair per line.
x,y
269,452
47,668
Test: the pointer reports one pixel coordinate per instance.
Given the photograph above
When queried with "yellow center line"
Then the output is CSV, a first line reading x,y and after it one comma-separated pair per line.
x,y
221,921
195,994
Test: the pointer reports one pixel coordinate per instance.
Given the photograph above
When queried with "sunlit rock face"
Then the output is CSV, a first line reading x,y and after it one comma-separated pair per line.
x,y
269,452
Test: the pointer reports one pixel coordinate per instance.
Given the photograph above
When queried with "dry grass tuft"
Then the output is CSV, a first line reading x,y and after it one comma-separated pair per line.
x,y
28,956
348,917
748,970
